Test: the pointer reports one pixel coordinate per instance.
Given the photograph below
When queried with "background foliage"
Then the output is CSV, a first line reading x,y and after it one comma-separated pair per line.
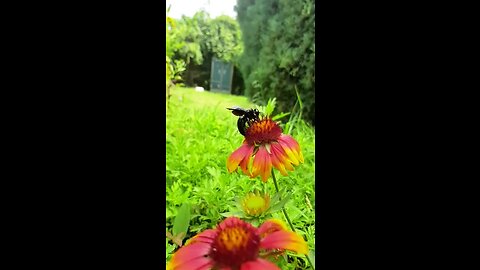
x,y
173,67
279,51
198,39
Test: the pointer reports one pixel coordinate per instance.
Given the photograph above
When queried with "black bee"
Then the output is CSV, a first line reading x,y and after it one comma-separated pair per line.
x,y
245,116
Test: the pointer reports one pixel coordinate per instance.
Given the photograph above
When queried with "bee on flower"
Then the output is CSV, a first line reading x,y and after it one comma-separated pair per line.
x,y
264,146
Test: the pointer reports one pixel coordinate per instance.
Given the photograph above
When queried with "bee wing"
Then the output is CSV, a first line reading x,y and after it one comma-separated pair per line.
x,y
237,111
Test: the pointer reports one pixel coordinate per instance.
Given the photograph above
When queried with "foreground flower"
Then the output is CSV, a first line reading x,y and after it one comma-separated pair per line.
x,y
236,245
265,142
255,204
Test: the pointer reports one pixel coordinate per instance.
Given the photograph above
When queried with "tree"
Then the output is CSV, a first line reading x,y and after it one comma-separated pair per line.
x,y
187,38
203,38
279,54
224,39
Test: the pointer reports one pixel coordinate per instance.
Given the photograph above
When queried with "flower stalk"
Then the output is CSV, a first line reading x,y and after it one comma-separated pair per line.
x,y
286,215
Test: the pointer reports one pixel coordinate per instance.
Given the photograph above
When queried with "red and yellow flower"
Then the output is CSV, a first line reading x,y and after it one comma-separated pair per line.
x,y
269,147
237,245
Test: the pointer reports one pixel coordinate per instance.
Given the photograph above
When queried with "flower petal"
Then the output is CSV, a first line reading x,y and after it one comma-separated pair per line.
x,y
268,168
245,163
206,236
262,165
257,164
277,160
290,145
245,151
270,226
285,240
191,257
300,156
259,264
292,154
290,141
283,158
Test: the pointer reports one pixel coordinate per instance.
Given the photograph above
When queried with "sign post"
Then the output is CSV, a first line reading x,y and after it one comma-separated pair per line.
x,y
221,76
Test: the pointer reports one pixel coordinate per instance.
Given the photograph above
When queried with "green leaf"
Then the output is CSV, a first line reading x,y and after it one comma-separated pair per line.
x,y
238,202
177,239
294,212
169,213
280,115
277,196
182,220
169,249
298,98
235,213
274,199
270,106
214,172
311,256
280,204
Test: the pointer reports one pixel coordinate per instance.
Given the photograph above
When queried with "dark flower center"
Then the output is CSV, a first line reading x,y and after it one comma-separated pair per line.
x,y
263,131
235,243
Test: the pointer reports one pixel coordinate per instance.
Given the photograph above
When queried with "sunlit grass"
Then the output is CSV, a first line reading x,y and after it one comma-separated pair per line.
x,y
201,134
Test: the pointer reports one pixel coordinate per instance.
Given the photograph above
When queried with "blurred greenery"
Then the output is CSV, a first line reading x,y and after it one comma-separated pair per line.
x,y
196,40
279,52
271,45
200,135
174,67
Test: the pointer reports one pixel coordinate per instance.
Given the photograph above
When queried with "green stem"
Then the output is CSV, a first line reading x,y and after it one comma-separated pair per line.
x,y
285,212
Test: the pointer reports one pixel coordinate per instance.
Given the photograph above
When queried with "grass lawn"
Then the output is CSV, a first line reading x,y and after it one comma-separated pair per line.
x,y
201,134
